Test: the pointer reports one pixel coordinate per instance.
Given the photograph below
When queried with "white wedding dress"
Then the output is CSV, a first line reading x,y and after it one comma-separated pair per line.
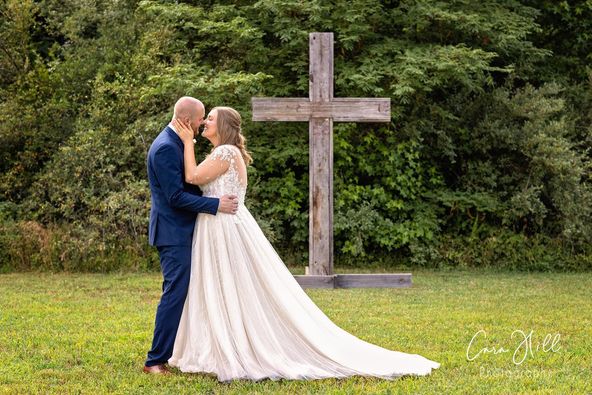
x,y
246,317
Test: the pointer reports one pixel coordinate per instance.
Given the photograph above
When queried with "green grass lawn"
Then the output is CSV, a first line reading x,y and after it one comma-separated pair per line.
x,y
89,333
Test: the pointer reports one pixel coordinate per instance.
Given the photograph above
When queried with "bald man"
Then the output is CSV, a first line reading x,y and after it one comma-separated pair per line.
x,y
173,213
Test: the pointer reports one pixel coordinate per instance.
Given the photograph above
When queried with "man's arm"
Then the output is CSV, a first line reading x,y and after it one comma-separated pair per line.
x,y
170,177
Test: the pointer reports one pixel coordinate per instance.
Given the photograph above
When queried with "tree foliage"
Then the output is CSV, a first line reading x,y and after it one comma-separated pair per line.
x,y
488,144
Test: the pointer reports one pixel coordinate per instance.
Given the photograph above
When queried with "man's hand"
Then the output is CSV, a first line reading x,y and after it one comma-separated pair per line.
x,y
228,204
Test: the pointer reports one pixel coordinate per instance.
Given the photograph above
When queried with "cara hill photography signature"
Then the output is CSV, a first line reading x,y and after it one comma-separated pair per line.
x,y
522,345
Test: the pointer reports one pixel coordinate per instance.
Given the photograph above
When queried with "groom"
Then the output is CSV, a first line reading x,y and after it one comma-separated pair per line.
x,y
175,205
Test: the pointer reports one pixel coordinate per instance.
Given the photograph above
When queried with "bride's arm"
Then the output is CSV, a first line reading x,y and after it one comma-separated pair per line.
x,y
207,170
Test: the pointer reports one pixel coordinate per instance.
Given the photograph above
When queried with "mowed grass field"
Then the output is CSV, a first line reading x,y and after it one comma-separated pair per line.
x,y
89,333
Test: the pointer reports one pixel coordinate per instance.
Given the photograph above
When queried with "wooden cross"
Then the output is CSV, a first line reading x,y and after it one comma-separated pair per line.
x,y
320,110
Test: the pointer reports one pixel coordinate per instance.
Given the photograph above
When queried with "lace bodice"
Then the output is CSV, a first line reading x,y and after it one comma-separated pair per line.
x,y
228,183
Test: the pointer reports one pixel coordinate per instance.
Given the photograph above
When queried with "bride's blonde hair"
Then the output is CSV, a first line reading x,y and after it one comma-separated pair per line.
x,y
228,123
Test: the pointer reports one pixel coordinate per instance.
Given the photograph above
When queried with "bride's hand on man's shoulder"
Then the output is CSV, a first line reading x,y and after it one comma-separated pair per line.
x,y
184,131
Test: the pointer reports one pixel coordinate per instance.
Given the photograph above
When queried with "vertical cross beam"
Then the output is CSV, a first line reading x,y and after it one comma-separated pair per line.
x,y
321,156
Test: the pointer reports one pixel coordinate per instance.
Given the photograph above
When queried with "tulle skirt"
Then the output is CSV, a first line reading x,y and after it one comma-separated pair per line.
x,y
246,317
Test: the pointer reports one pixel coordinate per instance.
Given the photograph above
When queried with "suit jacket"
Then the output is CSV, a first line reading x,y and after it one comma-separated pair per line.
x,y
175,203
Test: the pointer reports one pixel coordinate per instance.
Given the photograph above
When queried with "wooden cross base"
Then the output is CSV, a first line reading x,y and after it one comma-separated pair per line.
x,y
382,280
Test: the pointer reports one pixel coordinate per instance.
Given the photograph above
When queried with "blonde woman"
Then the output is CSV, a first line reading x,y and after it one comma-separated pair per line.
x,y
245,316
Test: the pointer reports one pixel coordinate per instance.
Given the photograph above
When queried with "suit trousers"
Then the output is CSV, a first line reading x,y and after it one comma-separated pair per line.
x,y
175,264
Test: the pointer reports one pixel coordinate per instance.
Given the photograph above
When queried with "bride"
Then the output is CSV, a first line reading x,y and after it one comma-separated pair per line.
x,y
245,316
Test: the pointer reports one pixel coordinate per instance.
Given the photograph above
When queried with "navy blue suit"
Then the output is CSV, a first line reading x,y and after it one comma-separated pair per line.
x,y
175,205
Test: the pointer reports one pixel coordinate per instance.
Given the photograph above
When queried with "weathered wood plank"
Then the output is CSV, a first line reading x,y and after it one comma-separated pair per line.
x,y
382,280
321,196
340,109
321,156
357,109
311,281
390,280
320,81
281,109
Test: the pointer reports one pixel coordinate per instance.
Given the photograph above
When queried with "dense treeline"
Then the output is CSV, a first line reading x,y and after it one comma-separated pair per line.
x,y
486,160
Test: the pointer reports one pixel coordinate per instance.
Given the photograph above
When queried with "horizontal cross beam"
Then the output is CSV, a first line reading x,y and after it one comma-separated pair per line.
x,y
349,109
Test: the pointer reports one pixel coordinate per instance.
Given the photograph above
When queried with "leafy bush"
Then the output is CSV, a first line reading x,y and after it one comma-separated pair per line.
x,y
486,160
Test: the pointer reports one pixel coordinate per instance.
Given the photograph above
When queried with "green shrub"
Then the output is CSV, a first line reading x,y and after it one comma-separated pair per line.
x,y
28,245
490,135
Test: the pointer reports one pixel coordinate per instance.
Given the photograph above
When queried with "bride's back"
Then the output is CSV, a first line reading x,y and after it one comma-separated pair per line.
x,y
234,180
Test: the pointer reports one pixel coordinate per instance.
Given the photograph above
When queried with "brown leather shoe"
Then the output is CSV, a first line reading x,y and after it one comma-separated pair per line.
x,y
156,369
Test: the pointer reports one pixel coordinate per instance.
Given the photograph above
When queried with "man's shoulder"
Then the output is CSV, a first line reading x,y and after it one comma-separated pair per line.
x,y
162,141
